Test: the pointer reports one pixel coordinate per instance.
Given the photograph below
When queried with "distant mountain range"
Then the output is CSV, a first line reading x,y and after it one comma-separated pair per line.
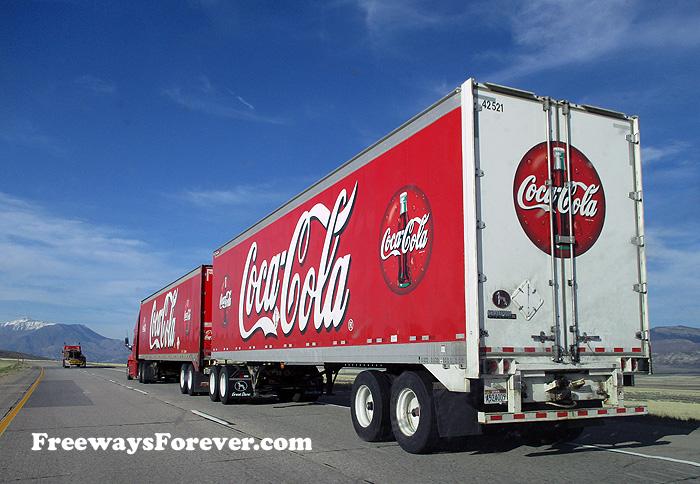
x,y
675,346
44,339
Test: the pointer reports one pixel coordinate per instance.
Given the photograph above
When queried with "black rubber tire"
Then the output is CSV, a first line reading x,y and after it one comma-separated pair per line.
x,y
413,416
183,378
191,380
140,371
214,384
225,385
370,406
128,375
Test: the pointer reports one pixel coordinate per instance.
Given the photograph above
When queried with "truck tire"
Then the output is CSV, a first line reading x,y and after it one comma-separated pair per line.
x,y
147,372
128,375
225,385
369,406
413,417
214,384
191,381
183,378
140,371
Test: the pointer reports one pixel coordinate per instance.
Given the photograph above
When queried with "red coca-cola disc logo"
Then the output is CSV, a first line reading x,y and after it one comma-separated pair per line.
x,y
531,196
406,240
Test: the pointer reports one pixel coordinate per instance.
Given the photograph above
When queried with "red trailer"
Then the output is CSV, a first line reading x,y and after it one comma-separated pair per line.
x,y
485,262
172,337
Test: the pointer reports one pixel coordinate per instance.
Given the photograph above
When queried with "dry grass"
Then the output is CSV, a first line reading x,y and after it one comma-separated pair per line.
x,y
674,395
9,366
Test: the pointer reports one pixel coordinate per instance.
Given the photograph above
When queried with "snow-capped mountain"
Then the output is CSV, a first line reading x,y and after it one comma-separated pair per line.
x,y
25,324
41,338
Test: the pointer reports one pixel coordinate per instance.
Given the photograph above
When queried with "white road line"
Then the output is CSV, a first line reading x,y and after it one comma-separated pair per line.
x,y
637,454
140,391
332,405
212,418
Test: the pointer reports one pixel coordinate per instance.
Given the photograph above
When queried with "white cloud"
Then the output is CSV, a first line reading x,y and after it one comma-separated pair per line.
x,y
257,199
385,16
27,133
209,101
551,33
57,265
241,195
673,258
669,152
96,84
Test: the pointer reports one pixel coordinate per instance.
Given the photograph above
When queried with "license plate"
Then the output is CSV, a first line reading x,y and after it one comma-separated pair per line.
x,y
495,396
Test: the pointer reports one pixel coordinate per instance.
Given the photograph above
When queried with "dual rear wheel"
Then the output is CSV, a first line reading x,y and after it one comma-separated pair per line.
x,y
188,380
404,409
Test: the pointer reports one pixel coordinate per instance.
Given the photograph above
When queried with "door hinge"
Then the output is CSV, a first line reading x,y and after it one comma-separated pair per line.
x,y
565,108
633,138
479,172
636,196
642,335
482,277
640,288
638,241
480,224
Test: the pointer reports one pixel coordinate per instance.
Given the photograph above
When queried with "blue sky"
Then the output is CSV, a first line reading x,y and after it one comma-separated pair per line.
x,y
138,137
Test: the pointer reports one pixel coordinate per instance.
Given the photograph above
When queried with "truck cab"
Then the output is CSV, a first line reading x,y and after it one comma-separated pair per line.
x,y
73,356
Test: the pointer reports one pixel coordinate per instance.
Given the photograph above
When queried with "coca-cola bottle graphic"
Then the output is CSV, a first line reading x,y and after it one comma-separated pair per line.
x,y
561,219
404,270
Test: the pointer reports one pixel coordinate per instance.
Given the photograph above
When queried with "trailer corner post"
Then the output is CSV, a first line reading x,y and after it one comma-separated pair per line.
x,y
471,267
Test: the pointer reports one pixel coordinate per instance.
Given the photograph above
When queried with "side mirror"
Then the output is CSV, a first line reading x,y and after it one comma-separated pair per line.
x,y
126,341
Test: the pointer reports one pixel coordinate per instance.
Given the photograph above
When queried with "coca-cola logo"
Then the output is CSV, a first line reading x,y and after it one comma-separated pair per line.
x,y
406,240
580,196
162,331
187,317
225,301
281,302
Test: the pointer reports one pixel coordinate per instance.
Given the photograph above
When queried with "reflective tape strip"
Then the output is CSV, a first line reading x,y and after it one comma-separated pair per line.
x,y
487,418
532,349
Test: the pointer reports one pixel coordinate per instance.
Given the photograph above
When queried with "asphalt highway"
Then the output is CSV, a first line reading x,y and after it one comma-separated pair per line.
x,y
76,405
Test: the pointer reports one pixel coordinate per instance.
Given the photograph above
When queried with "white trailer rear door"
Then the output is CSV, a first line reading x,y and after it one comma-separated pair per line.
x,y
546,167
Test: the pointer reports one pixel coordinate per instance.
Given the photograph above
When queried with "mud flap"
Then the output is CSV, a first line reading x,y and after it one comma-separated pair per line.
x,y
456,416
201,382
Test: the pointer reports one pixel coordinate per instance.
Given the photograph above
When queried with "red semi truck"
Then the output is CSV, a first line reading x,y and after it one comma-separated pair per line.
x,y
484,263
73,356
